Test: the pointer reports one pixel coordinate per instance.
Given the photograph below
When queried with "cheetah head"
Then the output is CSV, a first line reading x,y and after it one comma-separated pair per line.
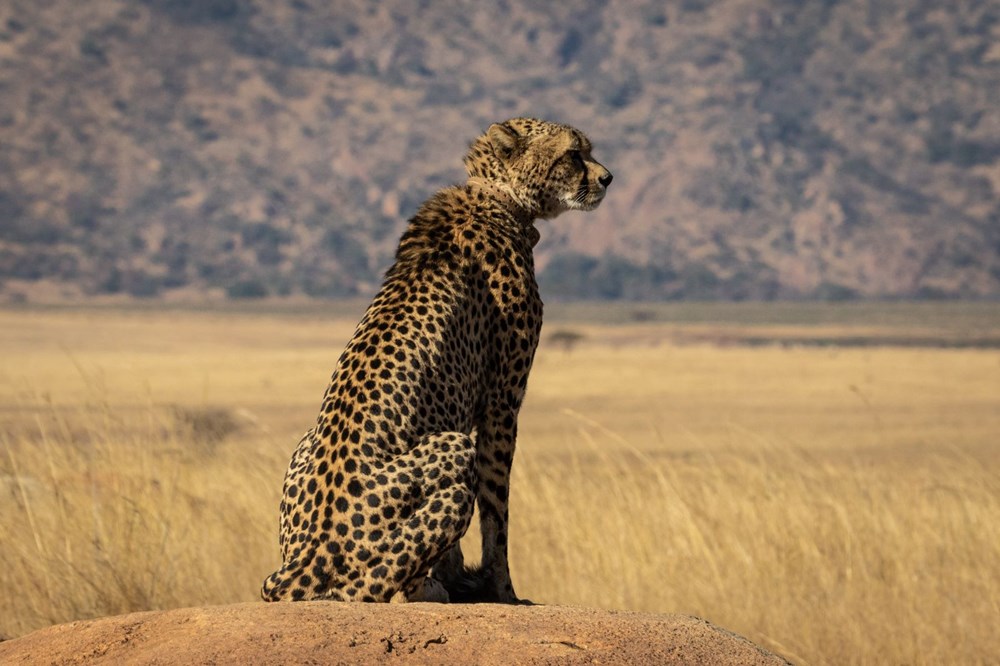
x,y
546,168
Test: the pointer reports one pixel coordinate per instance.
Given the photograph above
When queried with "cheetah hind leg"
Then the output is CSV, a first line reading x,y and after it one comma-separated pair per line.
x,y
285,584
441,468
436,483
422,589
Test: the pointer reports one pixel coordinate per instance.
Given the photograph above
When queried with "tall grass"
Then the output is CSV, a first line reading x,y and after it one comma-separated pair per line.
x,y
836,506
100,515
824,562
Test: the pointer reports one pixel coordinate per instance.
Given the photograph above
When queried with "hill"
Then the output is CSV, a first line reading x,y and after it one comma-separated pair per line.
x,y
762,148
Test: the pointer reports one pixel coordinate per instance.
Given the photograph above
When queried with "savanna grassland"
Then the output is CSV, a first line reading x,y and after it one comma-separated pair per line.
x,y
824,480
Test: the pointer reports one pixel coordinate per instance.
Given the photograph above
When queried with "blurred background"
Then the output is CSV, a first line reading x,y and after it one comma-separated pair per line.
x,y
762,149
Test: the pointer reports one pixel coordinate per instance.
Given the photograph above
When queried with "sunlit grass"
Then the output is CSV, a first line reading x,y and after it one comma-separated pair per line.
x,y
824,561
100,515
836,505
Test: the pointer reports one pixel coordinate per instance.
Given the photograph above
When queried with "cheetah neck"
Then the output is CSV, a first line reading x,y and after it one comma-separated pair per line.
x,y
505,195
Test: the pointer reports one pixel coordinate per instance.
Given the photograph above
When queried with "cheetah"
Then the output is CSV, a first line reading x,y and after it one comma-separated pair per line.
x,y
419,421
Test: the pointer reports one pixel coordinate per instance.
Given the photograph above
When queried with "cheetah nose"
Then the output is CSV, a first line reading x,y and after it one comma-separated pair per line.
x,y
605,180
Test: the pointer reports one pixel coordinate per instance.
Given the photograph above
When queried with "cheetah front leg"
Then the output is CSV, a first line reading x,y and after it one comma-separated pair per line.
x,y
490,581
492,499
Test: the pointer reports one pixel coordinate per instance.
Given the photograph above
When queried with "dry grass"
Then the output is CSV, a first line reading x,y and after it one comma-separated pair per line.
x,y
825,563
837,505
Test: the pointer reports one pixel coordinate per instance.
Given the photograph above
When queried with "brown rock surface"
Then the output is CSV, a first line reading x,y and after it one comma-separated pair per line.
x,y
333,633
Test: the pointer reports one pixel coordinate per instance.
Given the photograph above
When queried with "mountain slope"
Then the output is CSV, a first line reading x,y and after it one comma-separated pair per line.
x,y
761,149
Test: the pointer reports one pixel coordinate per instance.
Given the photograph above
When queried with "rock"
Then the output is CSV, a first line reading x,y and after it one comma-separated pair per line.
x,y
338,633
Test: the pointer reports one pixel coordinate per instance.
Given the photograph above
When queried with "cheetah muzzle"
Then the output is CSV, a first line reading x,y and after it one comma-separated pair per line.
x,y
419,421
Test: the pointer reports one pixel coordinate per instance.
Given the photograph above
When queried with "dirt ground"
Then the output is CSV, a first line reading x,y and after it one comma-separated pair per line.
x,y
335,633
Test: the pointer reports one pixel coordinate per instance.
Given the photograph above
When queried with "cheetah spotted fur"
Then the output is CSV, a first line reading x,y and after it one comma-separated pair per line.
x,y
419,421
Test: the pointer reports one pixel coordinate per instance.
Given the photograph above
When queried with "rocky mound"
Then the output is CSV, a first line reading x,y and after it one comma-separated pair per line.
x,y
329,633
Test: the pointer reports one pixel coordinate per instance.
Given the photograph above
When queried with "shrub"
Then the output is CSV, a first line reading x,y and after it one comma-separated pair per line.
x,y
251,288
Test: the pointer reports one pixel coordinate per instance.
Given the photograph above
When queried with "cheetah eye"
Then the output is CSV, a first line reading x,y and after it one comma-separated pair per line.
x,y
576,157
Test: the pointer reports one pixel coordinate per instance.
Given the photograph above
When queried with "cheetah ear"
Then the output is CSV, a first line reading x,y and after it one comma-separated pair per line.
x,y
505,140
